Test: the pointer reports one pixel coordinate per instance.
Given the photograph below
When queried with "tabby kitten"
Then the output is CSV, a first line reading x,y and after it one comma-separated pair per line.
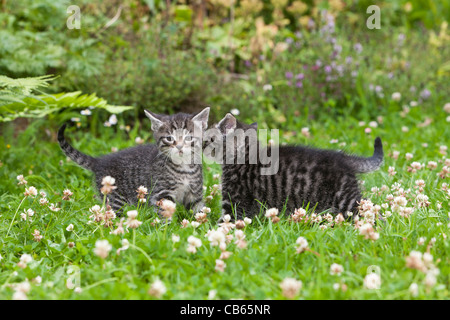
x,y
167,169
324,179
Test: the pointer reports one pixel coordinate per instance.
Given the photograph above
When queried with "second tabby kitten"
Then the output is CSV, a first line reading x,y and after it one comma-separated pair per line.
x,y
324,179
158,167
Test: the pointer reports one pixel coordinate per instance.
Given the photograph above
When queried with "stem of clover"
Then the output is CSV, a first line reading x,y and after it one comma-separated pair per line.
x,y
15,214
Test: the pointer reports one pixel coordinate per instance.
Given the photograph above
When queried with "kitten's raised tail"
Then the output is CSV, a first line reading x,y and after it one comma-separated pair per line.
x,y
363,165
80,158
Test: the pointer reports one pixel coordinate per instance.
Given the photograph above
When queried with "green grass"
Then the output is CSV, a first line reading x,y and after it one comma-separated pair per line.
x,y
251,273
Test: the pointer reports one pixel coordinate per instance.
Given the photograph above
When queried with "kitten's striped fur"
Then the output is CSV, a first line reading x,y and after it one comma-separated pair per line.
x,y
324,179
151,165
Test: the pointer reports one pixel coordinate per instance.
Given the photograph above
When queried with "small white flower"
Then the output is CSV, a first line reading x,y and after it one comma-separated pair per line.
x,y
69,227
372,281
102,248
175,238
290,287
414,289
302,244
336,269
139,140
396,96
157,289
113,119
132,214
193,241
31,191
216,237
26,258
272,212
195,224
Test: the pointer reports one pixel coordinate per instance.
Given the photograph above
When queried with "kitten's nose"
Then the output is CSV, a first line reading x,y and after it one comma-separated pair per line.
x,y
179,146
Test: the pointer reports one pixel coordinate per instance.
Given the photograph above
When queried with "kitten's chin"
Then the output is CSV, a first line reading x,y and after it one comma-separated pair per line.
x,y
181,157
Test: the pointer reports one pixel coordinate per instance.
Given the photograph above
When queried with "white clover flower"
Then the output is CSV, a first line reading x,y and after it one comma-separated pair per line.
x,y
175,238
69,227
372,281
336,269
19,295
108,185
193,241
26,258
272,212
216,237
132,214
157,289
430,279
30,192
195,224
396,96
302,244
220,265
239,234
102,248
290,287
414,289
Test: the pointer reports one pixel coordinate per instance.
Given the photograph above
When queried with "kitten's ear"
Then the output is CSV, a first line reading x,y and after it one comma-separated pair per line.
x,y
254,125
202,117
227,123
156,123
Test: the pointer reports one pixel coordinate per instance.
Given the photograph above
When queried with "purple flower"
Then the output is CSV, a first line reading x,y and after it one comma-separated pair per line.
x,y
300,76
425,94
338,48
289,75
289,40
248,63
327,69
299,84
358,47
348,60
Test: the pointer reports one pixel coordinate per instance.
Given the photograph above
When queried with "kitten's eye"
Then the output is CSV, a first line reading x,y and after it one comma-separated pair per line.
x,y
169,139
188,138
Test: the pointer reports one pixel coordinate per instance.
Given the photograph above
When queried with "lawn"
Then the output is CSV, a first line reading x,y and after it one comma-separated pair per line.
x,y
314,70
259,256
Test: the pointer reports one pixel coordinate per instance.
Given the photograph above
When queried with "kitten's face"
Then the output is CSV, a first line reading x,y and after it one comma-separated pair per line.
x,y
179,136
227,131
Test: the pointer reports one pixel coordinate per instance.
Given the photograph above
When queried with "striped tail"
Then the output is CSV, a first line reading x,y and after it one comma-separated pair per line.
x,y
80,158
363,165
